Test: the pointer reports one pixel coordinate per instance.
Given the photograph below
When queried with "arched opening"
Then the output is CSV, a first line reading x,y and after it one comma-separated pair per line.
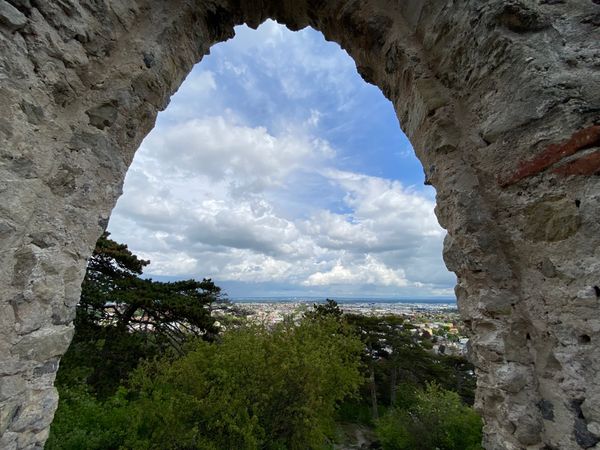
x,y
498,100
275,171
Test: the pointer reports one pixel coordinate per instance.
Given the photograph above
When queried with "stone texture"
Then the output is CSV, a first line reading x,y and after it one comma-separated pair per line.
x,y
499,98
11,17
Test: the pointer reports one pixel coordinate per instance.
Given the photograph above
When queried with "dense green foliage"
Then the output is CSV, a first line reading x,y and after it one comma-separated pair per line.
x,y
84,422
258,388
395,354
430,418
148,369
415,398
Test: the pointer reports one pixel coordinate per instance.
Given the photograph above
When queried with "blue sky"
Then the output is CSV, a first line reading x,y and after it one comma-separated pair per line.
x,y
277,171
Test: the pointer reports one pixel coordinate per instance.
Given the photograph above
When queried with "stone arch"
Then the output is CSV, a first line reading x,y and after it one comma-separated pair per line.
x,y
500,100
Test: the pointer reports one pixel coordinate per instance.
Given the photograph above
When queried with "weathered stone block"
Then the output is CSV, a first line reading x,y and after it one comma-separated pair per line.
x,y
11,386
7,413
11,17
45,343
104,115
37,415
552,221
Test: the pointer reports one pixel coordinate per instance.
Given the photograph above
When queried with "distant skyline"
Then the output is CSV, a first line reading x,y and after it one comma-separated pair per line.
x,y
277,171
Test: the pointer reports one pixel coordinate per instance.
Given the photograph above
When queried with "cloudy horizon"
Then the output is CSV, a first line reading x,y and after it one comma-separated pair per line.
x,y
277,171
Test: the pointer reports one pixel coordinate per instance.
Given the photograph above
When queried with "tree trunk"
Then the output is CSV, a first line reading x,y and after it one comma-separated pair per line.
x,y
393,387
125,318
375,411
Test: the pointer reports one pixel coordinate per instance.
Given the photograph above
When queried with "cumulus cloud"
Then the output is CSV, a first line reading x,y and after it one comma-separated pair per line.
x,y
384,216
243,185
368,271
219,148
387,237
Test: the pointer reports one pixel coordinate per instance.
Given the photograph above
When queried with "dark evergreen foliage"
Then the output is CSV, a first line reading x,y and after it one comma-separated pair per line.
x,y
123,318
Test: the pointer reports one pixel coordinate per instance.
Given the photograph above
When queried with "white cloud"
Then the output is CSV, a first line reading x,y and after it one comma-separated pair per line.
x,y
248,157
200,83
291,59
193,222
256,195
369,271
446,292
384,216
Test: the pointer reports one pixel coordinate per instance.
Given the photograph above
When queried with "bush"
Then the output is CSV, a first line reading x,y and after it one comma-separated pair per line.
x,y
258,388
83,422
436,419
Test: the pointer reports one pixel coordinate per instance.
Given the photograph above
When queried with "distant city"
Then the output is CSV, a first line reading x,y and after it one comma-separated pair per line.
x,y
426,302
434,320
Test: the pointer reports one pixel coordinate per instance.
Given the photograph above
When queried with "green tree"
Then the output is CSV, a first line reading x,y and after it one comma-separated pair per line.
x,y
328,309
258,388
123,318
395,355
84,422
114,294
436,418
387,344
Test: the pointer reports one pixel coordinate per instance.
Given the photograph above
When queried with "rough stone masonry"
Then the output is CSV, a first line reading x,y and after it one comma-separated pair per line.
x,y
501,100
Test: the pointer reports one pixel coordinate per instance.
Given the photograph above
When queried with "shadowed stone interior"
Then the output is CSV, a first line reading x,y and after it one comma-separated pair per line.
x,y
500,99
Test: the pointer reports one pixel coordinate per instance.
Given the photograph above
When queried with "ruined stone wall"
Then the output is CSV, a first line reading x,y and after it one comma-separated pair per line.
x,y
501,100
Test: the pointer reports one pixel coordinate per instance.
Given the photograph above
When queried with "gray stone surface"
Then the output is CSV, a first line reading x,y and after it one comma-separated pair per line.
x,y
11,17
501,100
